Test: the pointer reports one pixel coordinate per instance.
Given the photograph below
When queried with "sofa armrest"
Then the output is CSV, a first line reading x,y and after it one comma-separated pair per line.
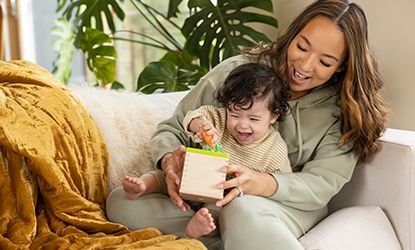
x,y
388,181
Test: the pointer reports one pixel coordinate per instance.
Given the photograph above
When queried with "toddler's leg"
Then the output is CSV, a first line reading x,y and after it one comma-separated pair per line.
x,y
201,224
135,187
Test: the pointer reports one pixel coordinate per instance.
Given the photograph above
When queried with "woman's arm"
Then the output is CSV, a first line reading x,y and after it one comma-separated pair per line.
x,y
322,176
312,188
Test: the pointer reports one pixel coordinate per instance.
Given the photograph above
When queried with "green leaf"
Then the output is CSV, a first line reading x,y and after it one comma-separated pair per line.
x,y
173,8
104,69
157,75
183,59
189,72
176,71
117,85
212,33
165,76
60,5
89,14
101,55
188,77
64,47
215,33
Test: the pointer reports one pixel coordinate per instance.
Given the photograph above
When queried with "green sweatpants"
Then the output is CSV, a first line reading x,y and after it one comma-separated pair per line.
x,y
248,222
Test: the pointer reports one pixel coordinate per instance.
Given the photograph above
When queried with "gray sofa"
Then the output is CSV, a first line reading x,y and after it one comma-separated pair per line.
x,y
376,210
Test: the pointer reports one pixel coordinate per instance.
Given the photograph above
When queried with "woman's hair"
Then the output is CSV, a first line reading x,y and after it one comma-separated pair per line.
x,y
363,112
254,81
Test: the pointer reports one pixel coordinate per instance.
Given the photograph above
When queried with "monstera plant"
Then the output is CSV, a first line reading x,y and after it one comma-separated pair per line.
x,y
211,32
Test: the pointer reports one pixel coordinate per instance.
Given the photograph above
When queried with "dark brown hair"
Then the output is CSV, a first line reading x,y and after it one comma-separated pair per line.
x,y
363,112
251,81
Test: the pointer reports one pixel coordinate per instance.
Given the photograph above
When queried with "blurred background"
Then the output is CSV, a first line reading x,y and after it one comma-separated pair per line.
x,y
26,34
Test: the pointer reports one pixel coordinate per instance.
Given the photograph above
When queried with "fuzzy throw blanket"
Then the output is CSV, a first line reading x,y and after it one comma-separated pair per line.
x,y
53,171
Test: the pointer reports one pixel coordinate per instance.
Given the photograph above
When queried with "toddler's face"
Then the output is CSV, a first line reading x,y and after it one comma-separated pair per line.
x,y
249,126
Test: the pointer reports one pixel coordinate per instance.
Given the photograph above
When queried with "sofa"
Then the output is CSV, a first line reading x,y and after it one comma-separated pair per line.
x,y
376,210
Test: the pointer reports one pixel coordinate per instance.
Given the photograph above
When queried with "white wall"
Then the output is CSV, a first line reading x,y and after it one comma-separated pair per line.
x,y
392,38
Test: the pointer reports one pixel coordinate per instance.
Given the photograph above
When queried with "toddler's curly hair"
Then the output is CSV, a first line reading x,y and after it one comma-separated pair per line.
x,y
255,81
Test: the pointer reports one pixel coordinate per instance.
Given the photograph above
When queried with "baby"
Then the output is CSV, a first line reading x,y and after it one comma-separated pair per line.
x,y
252,98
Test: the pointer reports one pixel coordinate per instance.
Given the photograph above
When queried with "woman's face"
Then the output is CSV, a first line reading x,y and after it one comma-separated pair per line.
x,y
314,55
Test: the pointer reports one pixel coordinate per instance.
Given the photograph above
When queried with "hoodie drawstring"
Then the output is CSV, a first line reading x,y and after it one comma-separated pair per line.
x,y
300,138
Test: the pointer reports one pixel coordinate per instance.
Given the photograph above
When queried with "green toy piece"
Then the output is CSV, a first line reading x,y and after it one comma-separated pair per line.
x,y
217,147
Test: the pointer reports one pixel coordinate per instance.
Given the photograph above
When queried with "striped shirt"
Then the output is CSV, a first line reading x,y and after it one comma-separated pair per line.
x,y
268,155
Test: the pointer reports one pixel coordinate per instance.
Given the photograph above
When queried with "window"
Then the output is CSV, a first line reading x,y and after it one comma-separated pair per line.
x,y
10,37
133,57
37,18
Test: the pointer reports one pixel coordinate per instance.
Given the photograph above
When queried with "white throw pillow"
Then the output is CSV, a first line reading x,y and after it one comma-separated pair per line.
x,y
127,121
353,228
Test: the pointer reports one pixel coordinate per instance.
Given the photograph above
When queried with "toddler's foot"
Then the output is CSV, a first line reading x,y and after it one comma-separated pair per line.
x,y
201,224
133,187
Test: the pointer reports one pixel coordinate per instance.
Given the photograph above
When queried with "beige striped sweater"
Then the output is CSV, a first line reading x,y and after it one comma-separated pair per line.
x,y
266,155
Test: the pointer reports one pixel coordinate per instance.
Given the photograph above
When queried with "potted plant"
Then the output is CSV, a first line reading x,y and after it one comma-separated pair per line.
x,y
211,32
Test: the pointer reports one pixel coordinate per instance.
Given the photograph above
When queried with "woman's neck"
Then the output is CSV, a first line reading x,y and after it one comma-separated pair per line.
x,y
298,94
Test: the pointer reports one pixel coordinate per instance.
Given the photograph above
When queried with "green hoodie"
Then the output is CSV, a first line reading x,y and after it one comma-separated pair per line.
x,y
311,131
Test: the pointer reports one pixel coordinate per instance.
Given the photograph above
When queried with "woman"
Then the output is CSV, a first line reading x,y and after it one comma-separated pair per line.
x,y
335,84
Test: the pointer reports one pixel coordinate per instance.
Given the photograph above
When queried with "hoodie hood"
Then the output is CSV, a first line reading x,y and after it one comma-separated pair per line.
x,y
316,97
311,115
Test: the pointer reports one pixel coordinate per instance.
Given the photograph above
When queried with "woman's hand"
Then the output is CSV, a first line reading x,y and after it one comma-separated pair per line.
x,y
246,181
172,165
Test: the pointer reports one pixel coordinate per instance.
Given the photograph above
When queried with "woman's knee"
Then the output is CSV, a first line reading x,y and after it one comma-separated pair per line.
x,y
241,207
122,210
251,209
151,210
113,203
260,219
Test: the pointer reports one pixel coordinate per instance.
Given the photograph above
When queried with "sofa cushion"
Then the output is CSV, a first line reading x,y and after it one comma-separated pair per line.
x,y
360,227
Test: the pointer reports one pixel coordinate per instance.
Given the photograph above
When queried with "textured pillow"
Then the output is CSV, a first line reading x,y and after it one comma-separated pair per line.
x,y
353,228
126,121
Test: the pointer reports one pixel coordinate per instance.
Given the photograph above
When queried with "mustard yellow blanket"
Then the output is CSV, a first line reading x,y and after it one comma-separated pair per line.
x,y
53,171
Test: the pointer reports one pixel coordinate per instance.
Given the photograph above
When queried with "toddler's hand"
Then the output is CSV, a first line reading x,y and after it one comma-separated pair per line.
x,y
207,132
